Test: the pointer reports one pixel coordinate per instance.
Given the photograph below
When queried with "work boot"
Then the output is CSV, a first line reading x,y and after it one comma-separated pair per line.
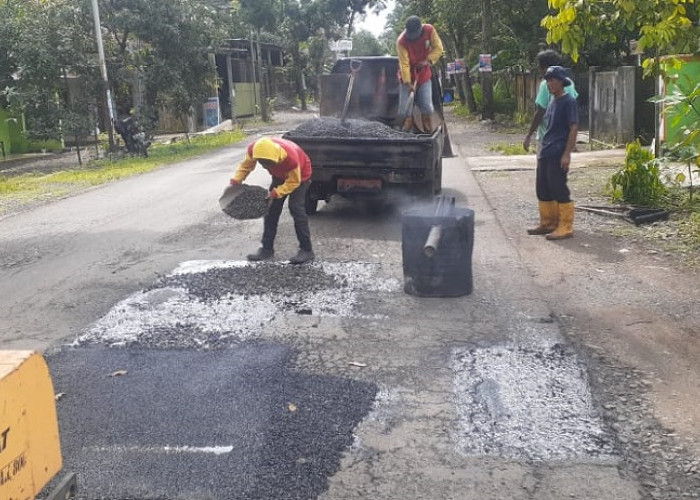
x,y
262,254
407,124
549,217
302,256
565,228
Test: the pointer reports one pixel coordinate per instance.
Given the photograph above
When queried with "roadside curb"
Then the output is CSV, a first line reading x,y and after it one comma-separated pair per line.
x,y
529,162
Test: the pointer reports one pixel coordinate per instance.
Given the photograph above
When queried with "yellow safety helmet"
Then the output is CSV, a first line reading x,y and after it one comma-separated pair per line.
x,y
267,149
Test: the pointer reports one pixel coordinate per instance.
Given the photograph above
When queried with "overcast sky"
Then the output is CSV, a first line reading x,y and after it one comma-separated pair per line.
x,y
375,23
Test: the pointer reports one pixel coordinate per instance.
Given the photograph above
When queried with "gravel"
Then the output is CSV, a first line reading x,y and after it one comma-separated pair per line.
x,y
333,127
528,403
250,203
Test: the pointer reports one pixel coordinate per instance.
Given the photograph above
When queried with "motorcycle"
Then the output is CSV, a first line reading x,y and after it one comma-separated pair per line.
x,y
134,137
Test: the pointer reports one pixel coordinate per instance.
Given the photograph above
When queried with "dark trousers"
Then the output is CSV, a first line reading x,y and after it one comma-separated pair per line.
x,y
551,180
297,199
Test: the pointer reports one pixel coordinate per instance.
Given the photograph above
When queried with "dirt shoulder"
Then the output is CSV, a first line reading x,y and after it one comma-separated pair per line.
x,y
626,298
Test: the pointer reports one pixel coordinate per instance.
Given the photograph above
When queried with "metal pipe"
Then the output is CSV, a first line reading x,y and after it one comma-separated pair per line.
x,y
433,241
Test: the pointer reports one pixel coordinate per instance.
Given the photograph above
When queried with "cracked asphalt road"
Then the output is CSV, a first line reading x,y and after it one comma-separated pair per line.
x,y
616,330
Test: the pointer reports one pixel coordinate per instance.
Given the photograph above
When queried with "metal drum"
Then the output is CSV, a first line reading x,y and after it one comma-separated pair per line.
x,y
437,244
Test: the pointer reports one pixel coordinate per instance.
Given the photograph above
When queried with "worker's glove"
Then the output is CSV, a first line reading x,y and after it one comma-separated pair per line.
x,y
234,182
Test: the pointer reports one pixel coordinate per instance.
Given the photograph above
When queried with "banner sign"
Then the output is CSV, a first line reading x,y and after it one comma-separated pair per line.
x,y
485,62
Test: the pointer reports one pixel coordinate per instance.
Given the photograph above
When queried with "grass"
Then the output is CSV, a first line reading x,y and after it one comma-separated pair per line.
x,y
23,189
509,148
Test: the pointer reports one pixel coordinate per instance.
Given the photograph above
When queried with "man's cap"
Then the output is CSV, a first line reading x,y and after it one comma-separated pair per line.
x,y
414,28
267,149
559,73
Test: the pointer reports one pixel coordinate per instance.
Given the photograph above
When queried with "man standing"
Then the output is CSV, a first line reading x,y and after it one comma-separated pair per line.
x,y
290,169
418,47
546,58
554,158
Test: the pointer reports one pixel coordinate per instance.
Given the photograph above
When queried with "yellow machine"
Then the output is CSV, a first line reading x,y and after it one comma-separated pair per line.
x,y
30,450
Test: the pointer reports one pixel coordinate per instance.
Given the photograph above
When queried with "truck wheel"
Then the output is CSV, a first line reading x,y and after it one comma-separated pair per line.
x,y
311,203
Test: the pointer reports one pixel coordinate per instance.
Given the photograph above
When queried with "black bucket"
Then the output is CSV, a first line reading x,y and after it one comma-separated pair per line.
x,y
439,267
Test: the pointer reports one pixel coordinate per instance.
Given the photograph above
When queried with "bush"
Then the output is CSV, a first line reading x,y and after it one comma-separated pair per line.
x,y
40,146
638,182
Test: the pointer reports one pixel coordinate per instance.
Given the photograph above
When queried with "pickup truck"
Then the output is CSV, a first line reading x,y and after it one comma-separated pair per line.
x,y
368,158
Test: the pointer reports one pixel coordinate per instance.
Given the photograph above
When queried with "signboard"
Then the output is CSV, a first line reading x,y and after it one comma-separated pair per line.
x,y
456,67
485,63
212,117
344,45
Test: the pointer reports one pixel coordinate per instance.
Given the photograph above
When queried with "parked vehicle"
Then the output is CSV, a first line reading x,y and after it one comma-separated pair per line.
x,y
371,165
134,136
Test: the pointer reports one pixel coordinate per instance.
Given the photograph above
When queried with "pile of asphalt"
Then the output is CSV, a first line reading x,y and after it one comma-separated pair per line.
x,y
251,280
217,304
334,127
250,203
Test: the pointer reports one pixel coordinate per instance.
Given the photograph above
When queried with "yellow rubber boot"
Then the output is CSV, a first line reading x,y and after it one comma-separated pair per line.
x,y
565,228
549,217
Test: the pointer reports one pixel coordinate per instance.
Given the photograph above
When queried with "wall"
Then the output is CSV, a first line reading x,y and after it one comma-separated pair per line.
x,y
688,77
619,112
527,85
11,135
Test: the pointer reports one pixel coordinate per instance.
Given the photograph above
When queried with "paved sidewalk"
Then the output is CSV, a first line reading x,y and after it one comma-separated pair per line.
x,y
529,162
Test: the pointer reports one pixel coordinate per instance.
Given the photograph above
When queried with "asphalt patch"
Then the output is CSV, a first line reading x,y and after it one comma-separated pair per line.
x,y
236,423
216,304
527,403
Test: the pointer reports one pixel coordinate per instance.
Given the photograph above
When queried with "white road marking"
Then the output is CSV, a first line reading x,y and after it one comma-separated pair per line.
x,y
214,450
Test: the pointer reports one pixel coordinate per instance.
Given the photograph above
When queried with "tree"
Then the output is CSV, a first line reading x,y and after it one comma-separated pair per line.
x,y
45,43
146,45
662,26
365,43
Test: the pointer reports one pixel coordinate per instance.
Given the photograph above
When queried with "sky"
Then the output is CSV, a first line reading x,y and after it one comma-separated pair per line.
x,y
375,23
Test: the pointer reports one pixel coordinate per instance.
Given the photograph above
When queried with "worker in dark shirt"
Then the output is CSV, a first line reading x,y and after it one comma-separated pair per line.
x,y
554,158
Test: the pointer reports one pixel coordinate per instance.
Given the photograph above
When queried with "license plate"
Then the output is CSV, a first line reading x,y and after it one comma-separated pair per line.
x,y
345,185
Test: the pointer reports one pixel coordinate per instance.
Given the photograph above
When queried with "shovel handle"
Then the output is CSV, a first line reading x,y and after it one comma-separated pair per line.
x,y
355,66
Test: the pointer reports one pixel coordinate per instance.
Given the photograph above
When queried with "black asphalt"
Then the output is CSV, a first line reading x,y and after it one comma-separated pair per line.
x,y
235,423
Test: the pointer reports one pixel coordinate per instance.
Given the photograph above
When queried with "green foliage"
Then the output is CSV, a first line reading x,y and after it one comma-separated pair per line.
x,y
682,104
659,26
30,186
638,182
503,98
364,43
42,146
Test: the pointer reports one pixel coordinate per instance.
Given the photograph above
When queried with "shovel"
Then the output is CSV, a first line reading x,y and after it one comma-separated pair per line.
x,y
354,68
408,107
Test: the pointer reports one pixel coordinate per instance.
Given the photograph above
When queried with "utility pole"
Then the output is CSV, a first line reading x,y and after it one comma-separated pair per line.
x,y
103,70
486,76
